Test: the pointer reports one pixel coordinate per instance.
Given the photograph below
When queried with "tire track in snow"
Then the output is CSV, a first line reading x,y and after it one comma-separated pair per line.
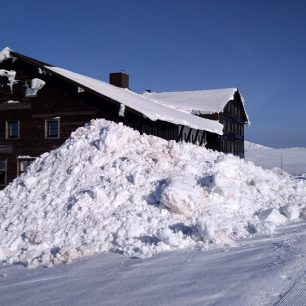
x,y
285,275
296,295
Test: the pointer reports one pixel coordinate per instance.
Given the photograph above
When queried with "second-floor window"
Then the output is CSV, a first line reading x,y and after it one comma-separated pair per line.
x,y
52,128
12,129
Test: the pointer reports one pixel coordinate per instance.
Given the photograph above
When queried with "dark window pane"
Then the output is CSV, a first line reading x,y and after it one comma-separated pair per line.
x,y
2,172
53,128
13,129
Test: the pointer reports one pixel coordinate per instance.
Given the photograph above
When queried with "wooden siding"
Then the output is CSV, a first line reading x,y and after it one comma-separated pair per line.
x,y
233,119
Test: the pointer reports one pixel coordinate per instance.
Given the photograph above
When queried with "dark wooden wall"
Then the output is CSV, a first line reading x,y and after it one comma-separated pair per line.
x,y
233,119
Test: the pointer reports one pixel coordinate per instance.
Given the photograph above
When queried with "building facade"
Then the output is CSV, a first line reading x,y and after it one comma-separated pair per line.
x,y
40,105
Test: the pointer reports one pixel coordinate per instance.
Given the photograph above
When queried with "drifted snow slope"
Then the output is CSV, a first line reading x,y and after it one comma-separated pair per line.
x,y
107,188
291,160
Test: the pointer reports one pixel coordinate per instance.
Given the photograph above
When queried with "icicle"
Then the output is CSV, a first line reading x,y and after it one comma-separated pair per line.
x,y
121,110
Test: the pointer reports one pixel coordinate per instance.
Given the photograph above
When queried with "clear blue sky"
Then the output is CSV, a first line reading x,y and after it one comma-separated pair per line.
x,y
166,45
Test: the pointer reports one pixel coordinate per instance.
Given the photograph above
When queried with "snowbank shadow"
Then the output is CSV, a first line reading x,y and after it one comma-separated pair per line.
x,y
152,240
154,197
185,229
206,181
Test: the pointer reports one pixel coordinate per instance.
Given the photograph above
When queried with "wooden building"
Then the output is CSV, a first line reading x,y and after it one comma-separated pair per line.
x,y
40,105
223,105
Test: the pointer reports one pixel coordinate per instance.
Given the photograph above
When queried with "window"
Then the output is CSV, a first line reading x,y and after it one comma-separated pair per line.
x,y
52,128
12,129
2,172
23,164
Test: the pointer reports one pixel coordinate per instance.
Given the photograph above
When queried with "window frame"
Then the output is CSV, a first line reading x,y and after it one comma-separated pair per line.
x,y
7,129
5,173
56,119
19,159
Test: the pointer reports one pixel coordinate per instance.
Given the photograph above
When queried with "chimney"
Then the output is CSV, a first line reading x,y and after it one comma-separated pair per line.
x,y
119,79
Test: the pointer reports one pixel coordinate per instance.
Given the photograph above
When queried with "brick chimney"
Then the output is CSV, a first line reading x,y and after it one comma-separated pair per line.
x,y
119,79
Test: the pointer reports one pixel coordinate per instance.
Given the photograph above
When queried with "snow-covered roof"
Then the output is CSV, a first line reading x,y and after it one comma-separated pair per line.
x,y
179,107
197,102
140,103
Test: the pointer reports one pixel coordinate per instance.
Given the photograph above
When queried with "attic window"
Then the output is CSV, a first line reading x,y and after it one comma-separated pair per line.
x,y
52,128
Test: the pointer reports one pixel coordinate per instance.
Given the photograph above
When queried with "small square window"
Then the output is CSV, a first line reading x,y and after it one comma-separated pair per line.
x,y
23,164
12,129
52,128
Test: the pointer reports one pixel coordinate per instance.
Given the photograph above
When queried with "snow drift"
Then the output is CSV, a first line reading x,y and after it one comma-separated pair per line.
x,y
107,188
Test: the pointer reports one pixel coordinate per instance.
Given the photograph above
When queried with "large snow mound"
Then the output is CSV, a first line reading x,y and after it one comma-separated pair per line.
x,y
108,188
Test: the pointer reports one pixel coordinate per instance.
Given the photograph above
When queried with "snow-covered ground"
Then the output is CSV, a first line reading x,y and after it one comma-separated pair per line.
x,y
267,270
292,160
191,222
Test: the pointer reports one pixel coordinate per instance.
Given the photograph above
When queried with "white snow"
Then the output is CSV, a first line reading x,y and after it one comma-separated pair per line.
x,y
36,85
267,270
195,102
80,90
121,110
10,75
291,160
12,102
42,71
254,146
5,54
108,188
144,105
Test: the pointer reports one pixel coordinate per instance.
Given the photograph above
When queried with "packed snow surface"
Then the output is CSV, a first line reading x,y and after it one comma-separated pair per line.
x,y
108,188
263,270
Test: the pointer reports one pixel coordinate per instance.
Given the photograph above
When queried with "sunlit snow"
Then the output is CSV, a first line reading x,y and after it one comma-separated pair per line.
x,y
110,189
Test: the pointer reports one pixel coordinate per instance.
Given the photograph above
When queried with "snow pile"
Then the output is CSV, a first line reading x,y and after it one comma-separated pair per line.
x,y
36,85
107,188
